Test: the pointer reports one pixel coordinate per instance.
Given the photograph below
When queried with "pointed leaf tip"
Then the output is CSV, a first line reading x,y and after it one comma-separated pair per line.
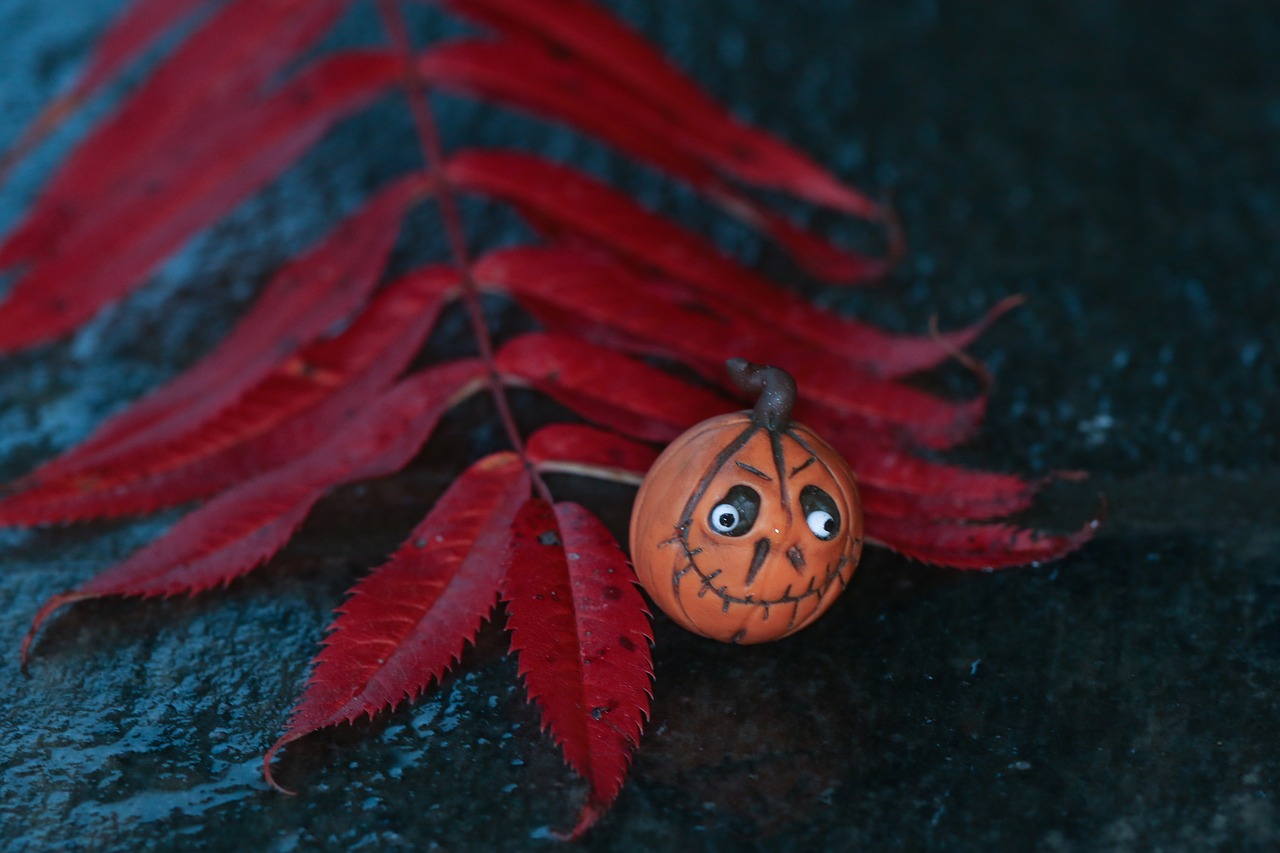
x,y
267,758
590,814
42,615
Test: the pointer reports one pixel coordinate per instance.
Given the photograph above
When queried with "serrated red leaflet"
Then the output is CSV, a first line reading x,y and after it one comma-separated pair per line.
x,y
941,492
305,299
557,85
588,294
130,35
292,410
527,75
379,344
591,452
974,546
111,257
912,417
216,73
406,624
582,634
611,49
564,200
243,527
597,297
136,30
606,387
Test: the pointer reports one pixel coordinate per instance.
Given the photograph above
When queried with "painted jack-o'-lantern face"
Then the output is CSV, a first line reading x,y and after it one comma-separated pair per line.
x,y
747,527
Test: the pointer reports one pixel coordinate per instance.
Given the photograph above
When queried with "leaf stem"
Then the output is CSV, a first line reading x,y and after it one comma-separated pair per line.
x,y
417,92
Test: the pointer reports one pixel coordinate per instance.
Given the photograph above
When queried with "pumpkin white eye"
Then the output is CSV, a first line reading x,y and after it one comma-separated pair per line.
x,y
822,524
724,518
820,512
735,513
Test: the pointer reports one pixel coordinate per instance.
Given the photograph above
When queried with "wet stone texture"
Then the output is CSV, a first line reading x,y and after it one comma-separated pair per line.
x,y
1116,162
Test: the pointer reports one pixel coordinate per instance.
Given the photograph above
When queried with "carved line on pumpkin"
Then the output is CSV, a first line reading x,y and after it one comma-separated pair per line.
x,y
686,517
780,462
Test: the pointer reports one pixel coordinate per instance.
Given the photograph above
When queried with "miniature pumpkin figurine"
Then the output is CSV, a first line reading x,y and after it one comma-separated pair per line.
x,y
747,526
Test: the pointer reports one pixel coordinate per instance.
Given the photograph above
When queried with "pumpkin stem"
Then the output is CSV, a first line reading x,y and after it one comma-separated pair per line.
x,y
775,386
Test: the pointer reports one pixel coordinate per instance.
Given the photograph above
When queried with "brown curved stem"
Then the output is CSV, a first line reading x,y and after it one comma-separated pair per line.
x,y
417,91
775,387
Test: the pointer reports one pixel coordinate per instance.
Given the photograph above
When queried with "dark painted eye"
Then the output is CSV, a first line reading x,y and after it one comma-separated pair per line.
x,y
735,513
820,512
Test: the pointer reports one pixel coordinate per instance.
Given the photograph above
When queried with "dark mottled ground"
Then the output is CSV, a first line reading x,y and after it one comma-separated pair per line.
x,y
1116,162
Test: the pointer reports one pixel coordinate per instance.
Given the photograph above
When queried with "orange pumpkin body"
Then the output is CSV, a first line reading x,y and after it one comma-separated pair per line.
x,y
746,534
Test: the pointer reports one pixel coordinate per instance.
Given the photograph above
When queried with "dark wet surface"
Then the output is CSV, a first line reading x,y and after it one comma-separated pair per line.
x,y
1118,163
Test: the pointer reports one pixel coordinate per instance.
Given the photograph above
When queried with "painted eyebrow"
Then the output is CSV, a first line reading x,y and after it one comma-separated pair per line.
x,y
805,464
751,469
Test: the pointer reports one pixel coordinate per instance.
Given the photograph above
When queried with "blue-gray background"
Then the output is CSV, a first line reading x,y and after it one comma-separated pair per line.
x,y
1116,162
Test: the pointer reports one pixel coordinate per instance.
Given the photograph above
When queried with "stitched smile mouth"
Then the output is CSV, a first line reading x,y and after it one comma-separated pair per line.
x,y
707,585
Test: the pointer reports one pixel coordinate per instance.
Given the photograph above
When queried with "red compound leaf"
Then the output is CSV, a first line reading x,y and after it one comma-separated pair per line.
x,y
300,397
582,633
243,527
406,624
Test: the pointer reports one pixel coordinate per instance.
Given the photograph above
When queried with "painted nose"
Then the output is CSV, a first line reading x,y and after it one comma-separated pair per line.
x,y
796,557
763,546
